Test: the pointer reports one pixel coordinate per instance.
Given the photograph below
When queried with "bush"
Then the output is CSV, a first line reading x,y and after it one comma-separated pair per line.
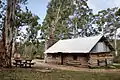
x,y
39,57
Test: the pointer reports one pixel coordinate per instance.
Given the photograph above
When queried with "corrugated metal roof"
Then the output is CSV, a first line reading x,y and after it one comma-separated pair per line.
x,y
77,45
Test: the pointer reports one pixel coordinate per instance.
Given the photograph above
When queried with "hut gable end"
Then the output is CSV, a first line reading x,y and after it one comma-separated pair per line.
x,y
103,45
100,47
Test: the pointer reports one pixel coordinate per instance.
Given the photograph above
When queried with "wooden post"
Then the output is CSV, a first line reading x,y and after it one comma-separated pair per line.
x,y
98,62
105,62
61,58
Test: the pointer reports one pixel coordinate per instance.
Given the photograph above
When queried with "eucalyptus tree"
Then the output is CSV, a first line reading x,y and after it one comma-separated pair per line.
x,y
64,18
9,28
55,25
12,19
28,21
108,22
82,19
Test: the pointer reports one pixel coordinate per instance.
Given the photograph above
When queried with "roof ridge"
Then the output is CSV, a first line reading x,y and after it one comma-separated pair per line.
x,y
83,37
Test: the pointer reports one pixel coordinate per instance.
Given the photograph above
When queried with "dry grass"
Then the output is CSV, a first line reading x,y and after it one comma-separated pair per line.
x,y
32,74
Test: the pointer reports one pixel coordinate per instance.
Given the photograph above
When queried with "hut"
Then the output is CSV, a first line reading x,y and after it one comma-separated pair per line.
x,y
86,51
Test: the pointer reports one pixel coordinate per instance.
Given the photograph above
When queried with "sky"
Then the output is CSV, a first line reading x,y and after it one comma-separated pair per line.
x,y
39,7
98,5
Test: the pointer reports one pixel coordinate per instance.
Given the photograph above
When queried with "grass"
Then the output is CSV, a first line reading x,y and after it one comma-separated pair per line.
x,y
107,67
31,74
117,66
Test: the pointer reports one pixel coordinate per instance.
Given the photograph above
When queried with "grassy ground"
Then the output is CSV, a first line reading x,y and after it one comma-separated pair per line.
x,y
31,74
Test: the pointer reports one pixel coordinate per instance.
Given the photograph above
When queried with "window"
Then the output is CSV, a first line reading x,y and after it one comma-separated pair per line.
x,y
74,57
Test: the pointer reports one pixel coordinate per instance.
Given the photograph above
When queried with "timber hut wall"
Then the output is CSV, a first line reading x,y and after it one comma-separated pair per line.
x,y
53,58
93,59
100,59
68,59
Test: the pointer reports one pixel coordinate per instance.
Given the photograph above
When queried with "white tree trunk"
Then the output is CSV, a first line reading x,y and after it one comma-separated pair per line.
x,y
9,28
45,54
115,41
14,40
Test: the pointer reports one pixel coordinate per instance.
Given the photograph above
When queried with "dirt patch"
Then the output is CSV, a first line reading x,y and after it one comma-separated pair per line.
x,y
40,63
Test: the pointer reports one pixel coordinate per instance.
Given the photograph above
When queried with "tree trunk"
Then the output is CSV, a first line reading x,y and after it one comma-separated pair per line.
x,y
51,40
45,54
115,41
9,28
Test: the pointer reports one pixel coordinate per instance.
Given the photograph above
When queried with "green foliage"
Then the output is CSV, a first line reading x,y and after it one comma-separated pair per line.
x,y
63,17
31,21
107,20
22,18
29,40
118,12
55,23
32,49
81,19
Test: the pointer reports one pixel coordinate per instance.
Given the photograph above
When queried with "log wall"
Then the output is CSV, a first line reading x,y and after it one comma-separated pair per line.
x,y
68,59
102,59
53,59
94,59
